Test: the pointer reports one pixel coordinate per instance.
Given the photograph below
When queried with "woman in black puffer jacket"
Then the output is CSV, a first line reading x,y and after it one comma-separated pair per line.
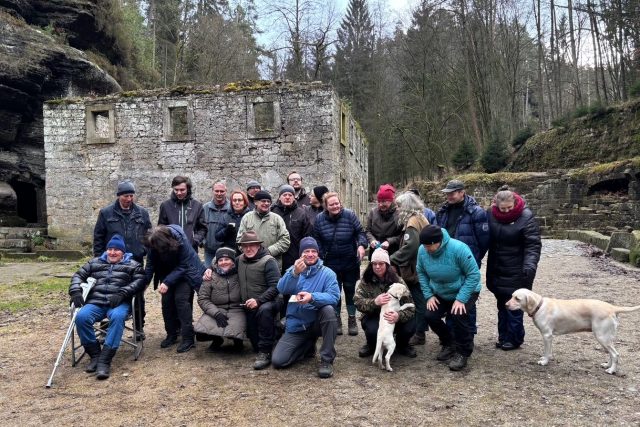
x,y
514,252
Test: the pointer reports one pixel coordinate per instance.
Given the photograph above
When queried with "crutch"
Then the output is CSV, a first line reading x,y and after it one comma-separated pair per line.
x,y
86,287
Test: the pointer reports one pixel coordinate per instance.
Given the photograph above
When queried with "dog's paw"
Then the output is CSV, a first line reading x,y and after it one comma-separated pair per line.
x,y
611,371
389,369
543,361
606,365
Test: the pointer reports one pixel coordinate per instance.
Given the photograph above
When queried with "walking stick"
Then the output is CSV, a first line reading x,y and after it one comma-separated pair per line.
x,y
86,287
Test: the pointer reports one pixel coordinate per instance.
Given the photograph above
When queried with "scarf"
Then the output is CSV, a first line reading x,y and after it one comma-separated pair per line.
x,y
513,214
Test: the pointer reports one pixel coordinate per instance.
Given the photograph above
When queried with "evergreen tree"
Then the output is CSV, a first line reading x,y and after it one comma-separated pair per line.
x,y
465,156
354,57
494,156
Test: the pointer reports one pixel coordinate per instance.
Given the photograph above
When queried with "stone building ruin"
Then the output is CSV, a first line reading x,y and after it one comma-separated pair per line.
x,y
262,130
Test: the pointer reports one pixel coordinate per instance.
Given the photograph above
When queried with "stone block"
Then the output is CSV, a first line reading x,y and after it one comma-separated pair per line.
x,y
592,237
620,254
620,239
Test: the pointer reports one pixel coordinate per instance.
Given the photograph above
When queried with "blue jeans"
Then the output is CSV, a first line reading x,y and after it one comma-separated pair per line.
x,y
91,313
510,323
208,257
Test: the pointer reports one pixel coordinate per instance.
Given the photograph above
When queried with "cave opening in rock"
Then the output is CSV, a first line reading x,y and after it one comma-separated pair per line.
x,y
27,200
616,186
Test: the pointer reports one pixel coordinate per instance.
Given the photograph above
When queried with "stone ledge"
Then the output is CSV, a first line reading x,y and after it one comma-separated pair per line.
x,y
592,237
620,254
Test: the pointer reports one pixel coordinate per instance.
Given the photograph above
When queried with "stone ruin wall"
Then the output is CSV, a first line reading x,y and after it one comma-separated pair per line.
x,y
90,145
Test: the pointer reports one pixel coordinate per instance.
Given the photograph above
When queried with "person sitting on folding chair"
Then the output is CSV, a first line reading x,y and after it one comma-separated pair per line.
x,y
118,279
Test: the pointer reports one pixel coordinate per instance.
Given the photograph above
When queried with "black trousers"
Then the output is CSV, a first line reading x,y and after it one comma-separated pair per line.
x,y
403,330
177,310
261,326
463,326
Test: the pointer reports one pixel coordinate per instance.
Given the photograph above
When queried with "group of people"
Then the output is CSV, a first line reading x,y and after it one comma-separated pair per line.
x,y
274,273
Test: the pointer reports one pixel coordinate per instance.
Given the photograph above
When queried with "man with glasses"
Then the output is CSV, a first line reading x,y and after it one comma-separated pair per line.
x,y
269,227
215,214
301,196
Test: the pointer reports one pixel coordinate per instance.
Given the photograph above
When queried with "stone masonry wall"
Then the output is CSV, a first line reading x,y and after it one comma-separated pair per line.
x,y
82,173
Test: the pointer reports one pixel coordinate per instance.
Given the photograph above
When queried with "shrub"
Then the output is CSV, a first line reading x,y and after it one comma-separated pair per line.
x,y
465,156
522,137
494,156
634,90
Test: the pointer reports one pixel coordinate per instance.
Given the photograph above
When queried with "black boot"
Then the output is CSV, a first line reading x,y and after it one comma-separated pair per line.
x,y
104,362
93,350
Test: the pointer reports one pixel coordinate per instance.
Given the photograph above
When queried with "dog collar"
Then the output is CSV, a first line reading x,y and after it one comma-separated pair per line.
x,y
535,310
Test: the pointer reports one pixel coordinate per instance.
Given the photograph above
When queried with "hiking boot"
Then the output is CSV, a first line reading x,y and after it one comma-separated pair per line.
x,y
446,353
216,344
499,343
352,326
186,345
169,341
507,346
458,362
407,351
365,351
325,370
103,370
417,339
93,350
339,329
263,360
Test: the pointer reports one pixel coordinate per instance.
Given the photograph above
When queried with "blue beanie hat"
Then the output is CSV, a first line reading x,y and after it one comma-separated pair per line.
x,y
117,242
308,243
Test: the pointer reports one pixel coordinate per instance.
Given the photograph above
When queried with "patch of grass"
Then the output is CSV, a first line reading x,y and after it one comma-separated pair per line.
x,y
30,295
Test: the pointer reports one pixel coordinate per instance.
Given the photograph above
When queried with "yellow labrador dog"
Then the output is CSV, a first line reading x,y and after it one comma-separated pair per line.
x,y
385,339
557,317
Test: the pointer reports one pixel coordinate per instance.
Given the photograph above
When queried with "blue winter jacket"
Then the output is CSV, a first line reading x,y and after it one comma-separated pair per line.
x,y
472,229
182,266
338,239
450,273
320,282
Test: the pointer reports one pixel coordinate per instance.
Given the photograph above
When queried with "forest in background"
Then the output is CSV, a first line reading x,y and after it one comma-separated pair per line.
x,y
461,85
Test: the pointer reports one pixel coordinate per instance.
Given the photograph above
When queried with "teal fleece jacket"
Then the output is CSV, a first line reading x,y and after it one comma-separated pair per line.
x,y
450,273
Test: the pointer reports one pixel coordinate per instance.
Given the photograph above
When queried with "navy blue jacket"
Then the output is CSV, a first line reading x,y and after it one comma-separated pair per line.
x,y
112,220
338,239
472,229
228,235
173,268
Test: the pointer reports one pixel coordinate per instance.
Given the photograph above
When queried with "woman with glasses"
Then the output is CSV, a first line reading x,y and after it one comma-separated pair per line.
x,y
229,233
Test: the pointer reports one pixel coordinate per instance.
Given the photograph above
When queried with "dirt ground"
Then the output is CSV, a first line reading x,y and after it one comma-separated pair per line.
x,y
198,388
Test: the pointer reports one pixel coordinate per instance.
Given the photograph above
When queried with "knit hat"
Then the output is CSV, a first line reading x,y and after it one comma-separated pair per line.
x,y
380,255
430,235
320,191
117,242
261,195
125,187
249,237
287,189
225,252
253,183
386,193
308,243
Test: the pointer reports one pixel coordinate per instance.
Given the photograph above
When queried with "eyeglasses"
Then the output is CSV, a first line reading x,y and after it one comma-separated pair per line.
x,y
264,202
237,200
295,179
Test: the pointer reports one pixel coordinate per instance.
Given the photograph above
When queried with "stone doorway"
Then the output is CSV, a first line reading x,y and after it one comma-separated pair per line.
x,y
27,200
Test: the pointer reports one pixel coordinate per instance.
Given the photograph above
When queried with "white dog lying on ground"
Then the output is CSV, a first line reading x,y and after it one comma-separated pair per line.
x,y
557,317
385,339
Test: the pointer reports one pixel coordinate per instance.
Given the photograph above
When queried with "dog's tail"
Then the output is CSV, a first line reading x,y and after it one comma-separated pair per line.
x,y
627,309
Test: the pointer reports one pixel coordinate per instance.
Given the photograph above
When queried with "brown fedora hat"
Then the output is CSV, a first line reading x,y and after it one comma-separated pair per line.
x,y
249,237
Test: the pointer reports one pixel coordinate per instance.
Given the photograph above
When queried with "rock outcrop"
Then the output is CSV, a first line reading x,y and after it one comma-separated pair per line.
x,y
37,64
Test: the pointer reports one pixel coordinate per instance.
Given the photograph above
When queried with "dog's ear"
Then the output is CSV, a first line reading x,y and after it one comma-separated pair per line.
x,y
530,301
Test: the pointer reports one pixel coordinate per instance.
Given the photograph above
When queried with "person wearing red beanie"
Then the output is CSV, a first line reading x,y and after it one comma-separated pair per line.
x,y
383,230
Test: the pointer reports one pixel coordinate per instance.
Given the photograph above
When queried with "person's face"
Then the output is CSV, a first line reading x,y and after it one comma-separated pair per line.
x,y
310,256
250,249
114,255
225,263
263,205
455,196
180,191
295,180
287,199
125,200
379,268
333,205
384,205
432,248
505,207
237,202
219,194
252,191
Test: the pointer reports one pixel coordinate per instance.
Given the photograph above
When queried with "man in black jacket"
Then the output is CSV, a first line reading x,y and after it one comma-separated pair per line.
x,y
131,221
183,210
118,278
296,220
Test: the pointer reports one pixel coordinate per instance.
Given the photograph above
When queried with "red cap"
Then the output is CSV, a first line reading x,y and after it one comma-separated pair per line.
x,y
386,192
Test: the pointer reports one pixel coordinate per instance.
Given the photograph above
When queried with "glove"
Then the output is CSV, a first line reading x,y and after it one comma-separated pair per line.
x,y
221,319
115,300
77,300
231,230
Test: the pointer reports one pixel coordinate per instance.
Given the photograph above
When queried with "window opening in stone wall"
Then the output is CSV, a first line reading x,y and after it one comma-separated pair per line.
x,y
101,124
343,128
178,121
264,116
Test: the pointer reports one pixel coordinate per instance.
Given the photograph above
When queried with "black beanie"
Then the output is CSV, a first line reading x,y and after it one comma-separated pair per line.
x,y
261,195
430,234
320,191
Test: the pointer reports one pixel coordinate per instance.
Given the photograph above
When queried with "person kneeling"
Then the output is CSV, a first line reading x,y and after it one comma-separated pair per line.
x,y
311,311
118,279
371,295
221,303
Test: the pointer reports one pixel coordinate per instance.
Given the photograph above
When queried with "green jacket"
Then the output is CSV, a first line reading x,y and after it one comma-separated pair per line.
x,y
366,293
271,229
